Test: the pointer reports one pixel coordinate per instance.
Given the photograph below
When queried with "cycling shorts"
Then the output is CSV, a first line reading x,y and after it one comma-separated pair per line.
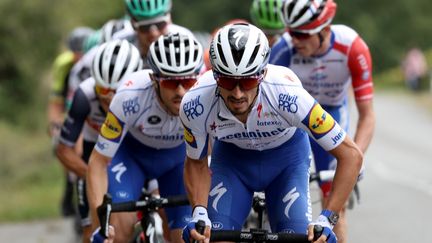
x,y
134,163
282,173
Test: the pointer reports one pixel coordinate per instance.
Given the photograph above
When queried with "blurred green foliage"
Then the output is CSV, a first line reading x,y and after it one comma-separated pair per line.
x,y
33,33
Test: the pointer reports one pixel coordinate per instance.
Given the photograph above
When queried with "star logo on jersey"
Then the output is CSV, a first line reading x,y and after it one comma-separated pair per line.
x,y
213,126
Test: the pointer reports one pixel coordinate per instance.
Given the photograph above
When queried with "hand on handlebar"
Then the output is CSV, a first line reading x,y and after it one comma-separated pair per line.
x,y
199,215
321,231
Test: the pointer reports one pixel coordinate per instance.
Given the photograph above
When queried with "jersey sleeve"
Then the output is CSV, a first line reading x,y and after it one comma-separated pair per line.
x,y
304,112
360,66
192,115
75,119
114,127
281,52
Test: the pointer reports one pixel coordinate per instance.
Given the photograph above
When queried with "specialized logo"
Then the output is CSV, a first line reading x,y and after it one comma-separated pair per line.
x,y
237,36
217,192
319,121
128,83
131,106
112,128
290,198
259,109
193,108
189,137
288,103
119,169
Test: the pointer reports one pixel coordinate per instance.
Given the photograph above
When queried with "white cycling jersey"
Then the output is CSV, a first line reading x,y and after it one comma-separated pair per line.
x,y
135,109
282,105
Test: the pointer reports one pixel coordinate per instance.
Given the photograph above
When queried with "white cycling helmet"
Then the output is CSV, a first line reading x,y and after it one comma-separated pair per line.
x,y
239,50
113,26
308,16
113,60
175,55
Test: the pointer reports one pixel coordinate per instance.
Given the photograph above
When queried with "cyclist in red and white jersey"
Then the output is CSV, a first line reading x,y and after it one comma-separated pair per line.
x,y
142,136
328,59
88,110
259,117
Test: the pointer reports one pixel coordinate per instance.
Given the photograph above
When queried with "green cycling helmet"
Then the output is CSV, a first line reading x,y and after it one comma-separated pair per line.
x,y
92,40
266,14
147,9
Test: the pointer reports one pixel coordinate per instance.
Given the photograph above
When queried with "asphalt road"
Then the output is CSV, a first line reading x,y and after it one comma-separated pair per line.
x,y
396,194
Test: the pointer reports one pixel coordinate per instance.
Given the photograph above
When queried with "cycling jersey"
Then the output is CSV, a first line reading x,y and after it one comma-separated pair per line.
x,y
267,153
144,142
327,77
282,106
60,71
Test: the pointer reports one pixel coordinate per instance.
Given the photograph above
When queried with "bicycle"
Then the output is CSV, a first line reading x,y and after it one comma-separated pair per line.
x,y
148,205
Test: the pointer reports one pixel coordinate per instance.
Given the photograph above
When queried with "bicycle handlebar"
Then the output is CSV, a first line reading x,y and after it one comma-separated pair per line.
x,y
257,236
149,203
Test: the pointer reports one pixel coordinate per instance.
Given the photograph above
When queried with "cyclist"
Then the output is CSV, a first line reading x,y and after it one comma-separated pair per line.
x,y
88,111
149,19
57,105
142,136
259,117
328,59
265,14
81,70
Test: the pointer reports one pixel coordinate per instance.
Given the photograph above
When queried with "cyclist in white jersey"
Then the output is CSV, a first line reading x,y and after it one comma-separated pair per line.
x,y
329,60
259,117
149,19
142,136
88,111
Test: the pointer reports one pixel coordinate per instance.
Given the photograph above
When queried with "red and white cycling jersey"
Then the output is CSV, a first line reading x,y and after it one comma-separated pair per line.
x,y
135,109
328,77
282,105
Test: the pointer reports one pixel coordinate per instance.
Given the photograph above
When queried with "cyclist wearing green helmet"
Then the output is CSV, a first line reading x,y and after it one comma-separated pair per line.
x,y
265,14
151,19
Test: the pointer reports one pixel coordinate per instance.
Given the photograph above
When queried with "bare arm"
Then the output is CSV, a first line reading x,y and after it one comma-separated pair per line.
x,y
350,160
71,160
365,125
97,182
197,181
55,115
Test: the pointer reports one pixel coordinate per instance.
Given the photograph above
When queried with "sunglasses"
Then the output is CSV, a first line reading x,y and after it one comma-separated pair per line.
x,y
244,83
147,27
173,82
299,35
102,91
